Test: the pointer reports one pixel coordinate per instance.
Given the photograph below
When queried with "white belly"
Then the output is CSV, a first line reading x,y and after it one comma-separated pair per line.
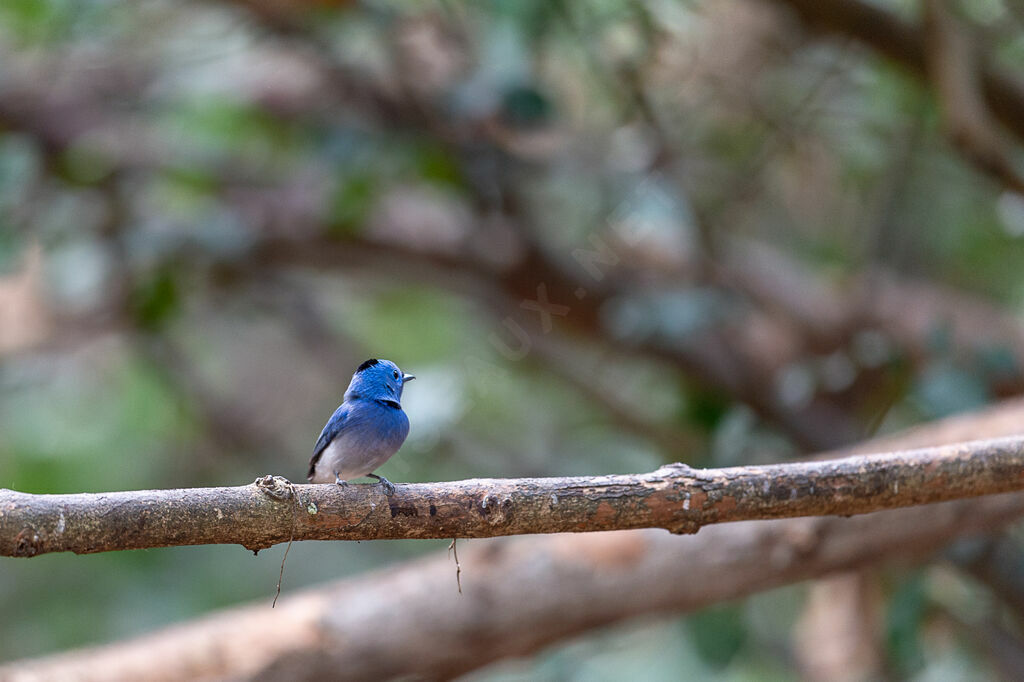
x,y
351,457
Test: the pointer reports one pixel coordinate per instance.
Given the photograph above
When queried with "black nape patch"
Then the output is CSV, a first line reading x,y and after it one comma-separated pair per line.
x,y
369,363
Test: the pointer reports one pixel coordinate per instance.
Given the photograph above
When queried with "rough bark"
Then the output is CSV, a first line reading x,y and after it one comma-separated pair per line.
x,y
676,497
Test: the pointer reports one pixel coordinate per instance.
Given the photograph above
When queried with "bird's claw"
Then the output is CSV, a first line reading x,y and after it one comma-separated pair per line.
x,y
385,484
338,481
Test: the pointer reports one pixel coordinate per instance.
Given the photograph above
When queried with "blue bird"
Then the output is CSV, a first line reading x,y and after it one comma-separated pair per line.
x,y
367,428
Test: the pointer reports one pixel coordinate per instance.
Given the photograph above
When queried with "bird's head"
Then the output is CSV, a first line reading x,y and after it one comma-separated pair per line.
x,y
375,379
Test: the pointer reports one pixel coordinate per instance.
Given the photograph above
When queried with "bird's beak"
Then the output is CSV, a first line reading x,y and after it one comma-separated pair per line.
x,y
407,377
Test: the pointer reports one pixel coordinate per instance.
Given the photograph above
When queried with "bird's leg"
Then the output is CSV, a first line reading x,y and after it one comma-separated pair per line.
x,y
389,487
338,481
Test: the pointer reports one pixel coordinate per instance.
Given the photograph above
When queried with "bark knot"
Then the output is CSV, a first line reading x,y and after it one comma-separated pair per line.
x,y
27,543
276,487
684,527
498,511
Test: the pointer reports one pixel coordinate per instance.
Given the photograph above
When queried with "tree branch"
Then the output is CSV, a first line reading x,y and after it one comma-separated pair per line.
x,y
518,596
905,43
952,65
676,497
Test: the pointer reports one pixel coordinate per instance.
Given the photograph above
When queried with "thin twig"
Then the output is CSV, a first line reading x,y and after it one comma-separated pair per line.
x,y
452,549
291,539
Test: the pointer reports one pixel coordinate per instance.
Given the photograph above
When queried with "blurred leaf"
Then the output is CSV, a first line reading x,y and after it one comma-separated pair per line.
x,y
998,363
403,323
904,619
351,203
524,106
226,127
705,409
12,248
31,20
735,143
944,389
718,633
436,164
20,165
940,339
156,299
192,180
92,427
82,165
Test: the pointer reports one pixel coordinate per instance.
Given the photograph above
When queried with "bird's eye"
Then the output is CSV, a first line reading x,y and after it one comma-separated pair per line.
x,y
395,374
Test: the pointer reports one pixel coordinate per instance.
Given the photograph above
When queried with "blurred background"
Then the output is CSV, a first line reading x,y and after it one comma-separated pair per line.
x,y
604,236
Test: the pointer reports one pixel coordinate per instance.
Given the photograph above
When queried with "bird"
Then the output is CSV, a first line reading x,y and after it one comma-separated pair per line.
x,y
367,428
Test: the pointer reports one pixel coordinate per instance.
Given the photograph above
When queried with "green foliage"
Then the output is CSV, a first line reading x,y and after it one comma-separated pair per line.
x,y
524,106
193,182
155,300
904,618
82,165
945,389
402,323
92,429
718,633
50,24
35,20
436,164
351,203
11,248
240,131
705,409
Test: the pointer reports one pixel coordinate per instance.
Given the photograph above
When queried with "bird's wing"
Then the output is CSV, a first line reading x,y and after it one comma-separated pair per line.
x,y
334,426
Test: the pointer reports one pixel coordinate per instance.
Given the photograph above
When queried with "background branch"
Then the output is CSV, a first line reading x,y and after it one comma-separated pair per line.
x,y
350,630
953,67
907,44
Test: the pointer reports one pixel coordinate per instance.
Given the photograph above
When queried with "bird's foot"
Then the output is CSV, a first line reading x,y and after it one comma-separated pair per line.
x,y
388,486
338,481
